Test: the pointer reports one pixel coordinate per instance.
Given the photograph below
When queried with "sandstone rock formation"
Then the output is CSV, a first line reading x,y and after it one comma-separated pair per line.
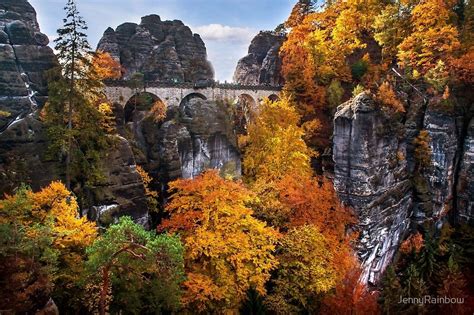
x,y
165,51
371,178
194,137
376,171
465,188
24,60
123,192
262,65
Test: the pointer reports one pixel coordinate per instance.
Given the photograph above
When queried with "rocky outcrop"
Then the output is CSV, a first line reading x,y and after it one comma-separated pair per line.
x,y
23,156
24,60
377,172
163,51
123,192
198,135
262,65
443,129
465,188
371,176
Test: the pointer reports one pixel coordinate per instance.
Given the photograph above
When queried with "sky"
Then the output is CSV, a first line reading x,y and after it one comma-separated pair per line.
x,y
226,26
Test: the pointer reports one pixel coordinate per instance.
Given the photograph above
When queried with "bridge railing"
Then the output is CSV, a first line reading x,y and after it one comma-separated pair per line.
x,y
189,85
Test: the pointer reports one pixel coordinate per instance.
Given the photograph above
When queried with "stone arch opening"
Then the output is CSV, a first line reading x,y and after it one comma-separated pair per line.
x,y
274,98
140,102
245,109
183,105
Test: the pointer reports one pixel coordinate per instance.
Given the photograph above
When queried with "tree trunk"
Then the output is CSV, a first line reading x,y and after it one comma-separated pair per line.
x,y
69,118
104,289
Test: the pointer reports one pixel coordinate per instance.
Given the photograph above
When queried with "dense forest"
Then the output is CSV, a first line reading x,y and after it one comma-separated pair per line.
x,y
275,239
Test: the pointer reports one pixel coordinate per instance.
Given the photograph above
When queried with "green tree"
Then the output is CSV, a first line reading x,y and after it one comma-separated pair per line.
x,y
72,113
135,271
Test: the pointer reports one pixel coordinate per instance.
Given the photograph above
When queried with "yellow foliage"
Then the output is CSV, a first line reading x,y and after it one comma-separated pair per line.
x,y
228,251
150,194
432,37
158,111
71,233
306,270
275,144
106,67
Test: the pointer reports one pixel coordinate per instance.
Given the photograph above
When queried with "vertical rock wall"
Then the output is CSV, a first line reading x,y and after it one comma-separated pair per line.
x,y
372,178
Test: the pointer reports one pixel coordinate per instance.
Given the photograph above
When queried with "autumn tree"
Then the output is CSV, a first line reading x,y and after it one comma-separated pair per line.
x,y
305,272
105,66
273,147
228,251
432,37
158,111
351,297
49,221
151,195
389,100
423,149
141,271
27,259
391,27
301,9
453,285
313,201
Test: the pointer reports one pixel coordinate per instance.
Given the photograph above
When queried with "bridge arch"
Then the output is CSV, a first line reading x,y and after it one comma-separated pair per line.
x,y
183,105
245,109
139,102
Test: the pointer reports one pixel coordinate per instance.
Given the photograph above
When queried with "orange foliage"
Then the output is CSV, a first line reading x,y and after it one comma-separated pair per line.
x,y
386,95
106,67
228,251
351,298
463,67
314,201
413,244
158,111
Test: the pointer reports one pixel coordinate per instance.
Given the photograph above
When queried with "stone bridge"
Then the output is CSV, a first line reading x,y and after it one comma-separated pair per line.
x,y
172,94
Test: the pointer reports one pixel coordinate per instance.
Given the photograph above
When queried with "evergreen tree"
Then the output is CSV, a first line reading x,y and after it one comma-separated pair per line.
x,y
75,91
134,271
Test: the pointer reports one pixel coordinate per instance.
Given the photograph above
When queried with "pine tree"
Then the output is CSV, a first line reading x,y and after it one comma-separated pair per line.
x,y
72,114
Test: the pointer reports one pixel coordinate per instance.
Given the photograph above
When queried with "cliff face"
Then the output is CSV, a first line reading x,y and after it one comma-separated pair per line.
x,y
376,172
25,59
198,135
371,178
161,50
465,187
262,65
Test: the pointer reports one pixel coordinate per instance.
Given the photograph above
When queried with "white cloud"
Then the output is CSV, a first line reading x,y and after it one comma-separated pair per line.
x,y
219,32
